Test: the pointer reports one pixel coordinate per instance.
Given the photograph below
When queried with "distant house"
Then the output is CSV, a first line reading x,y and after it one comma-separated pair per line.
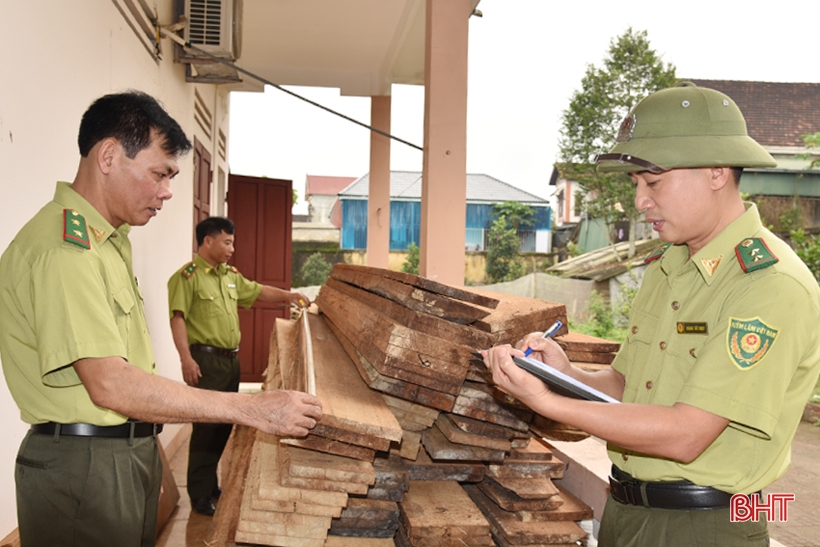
x,y
483,192
777,116
321,194
568,197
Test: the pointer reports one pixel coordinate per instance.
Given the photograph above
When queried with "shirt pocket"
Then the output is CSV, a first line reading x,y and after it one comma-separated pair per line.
x,y
233,293
206,303
640,335
124,311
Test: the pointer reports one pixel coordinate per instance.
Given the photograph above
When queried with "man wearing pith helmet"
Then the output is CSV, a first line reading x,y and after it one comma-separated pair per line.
x,y
721,353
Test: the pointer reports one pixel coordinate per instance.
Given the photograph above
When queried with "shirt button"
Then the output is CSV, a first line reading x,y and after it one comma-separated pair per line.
x,y
662,345
675,305
692,352
634,330
649,384
625,457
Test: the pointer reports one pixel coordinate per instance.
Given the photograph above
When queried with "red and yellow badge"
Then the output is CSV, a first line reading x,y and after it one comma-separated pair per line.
x,y
749,340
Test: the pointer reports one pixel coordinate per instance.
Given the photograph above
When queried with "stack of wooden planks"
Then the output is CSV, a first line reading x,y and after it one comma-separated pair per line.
x,y
415,446
588,352
412,338
357,422
522,504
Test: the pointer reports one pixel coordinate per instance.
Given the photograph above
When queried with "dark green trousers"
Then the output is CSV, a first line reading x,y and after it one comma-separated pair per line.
x,y
87,491
633,526
208,440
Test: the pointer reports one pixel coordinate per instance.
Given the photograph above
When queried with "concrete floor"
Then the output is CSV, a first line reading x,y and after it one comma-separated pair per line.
x,y
187,529
802,529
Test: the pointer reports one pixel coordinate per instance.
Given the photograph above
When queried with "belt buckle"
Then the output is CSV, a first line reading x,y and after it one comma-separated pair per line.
x,y
631,487
628,490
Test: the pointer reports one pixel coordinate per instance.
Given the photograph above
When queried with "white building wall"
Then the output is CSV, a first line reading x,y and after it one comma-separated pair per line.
x,y
55,59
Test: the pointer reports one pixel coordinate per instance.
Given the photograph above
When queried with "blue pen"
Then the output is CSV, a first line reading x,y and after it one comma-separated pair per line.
x,y
549,333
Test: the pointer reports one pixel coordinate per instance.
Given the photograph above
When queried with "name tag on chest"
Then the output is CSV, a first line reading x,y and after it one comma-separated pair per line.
x,y
693,328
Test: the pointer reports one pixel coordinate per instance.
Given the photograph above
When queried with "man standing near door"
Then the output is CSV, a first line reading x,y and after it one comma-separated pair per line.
x,y
203,299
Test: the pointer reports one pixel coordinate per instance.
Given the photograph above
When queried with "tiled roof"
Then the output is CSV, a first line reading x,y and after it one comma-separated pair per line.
x,y
480,188
777,114
326,186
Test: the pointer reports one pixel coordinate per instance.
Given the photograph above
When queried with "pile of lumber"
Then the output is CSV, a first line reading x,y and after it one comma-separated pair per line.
x,y
588,352
416,447
412,338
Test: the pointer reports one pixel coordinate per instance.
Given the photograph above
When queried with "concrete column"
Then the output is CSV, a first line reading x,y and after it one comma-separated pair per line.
x,y
378,204
444,171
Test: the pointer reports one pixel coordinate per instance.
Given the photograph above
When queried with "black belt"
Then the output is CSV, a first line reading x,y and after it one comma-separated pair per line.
x,y
216,351
665,495
125,431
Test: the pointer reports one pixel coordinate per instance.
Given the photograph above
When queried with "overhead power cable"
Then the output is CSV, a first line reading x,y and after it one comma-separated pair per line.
x,y
238,68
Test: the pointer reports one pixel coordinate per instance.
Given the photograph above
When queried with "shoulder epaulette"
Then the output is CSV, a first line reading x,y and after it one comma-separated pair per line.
x,y
74,229
189,270
753,254
231,269
657,253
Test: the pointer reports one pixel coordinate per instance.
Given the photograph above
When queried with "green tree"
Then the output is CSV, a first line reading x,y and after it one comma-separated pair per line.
x,y
812,140
631,71
807,247
516,213
315,270
411,263
503,253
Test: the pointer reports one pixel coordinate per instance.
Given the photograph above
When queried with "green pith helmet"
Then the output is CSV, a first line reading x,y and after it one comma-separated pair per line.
x,y
684,126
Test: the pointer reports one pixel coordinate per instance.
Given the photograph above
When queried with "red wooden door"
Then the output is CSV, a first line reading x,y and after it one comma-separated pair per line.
x,y
261,210
202,186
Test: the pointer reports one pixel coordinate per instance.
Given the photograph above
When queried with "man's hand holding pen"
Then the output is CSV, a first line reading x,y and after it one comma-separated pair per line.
x,y
516,381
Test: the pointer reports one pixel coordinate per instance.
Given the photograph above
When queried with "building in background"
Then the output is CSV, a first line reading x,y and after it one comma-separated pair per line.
x,y
777,116
483,191
322,194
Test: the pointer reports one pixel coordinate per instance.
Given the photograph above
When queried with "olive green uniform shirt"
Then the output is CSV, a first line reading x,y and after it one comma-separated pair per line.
x,y
60,302
740,345
209,298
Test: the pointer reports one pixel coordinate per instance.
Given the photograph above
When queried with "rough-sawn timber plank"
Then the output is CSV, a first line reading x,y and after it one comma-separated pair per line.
x,y
348,404
507,525
393,349
429,324
315,465
442,511
510,501
572,509
429,285
226,518
439,448
392,386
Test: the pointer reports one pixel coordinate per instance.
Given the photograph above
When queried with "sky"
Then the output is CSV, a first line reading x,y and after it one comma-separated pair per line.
x,y
526,58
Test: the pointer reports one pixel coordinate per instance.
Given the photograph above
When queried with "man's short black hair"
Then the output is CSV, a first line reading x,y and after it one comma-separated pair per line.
x,y
737,172
213,226
130,117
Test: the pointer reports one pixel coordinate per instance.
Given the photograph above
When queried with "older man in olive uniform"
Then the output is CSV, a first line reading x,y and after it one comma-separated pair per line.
x,y
203,298
722,351
75,347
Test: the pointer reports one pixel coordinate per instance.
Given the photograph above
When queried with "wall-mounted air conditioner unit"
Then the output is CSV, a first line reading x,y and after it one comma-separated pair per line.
x,y
214,26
